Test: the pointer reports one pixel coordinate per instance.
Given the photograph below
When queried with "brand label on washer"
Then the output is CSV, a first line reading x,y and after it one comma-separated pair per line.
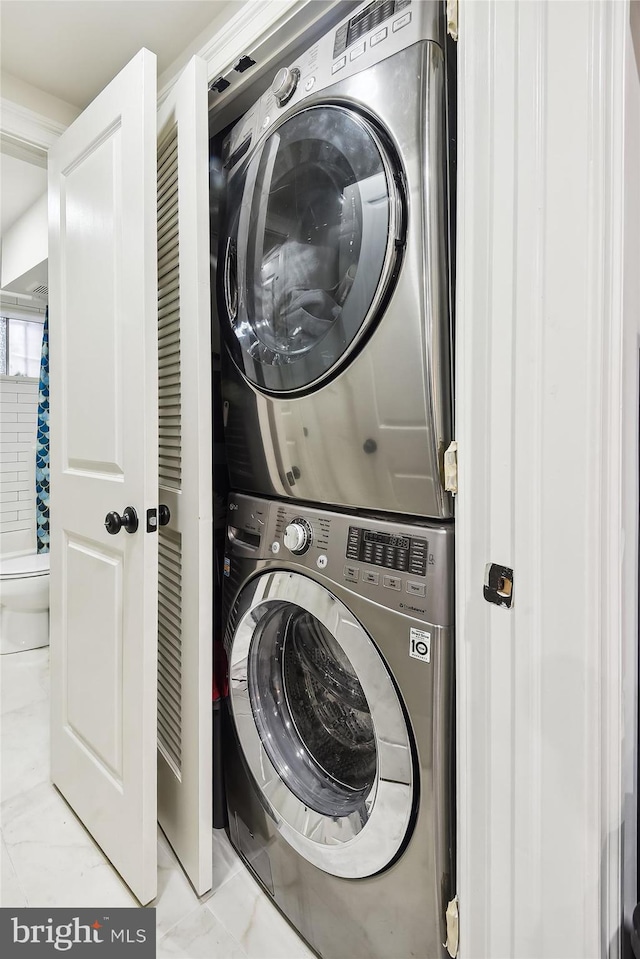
x,y
227,566
420,644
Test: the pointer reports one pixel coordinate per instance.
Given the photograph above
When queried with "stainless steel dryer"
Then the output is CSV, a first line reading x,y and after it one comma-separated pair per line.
x,y
339,743
333,275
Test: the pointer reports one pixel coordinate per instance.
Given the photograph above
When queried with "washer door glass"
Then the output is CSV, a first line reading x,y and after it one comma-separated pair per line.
x,y
311,711
321,725
313,219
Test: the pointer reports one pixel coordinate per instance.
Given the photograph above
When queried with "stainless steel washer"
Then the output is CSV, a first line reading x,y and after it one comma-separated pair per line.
x,y
333,272
338,753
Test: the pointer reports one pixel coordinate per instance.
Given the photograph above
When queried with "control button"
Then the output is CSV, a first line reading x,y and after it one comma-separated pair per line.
x,y
351,574
352,553
371,578
297,536
339,64
275,547
416,589
321,562
392,582
401,22
358,51
309,85
378,37
284,84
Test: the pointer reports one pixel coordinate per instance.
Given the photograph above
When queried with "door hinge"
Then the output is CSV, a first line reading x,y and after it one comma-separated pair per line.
x,y
451,468
452,918
452,19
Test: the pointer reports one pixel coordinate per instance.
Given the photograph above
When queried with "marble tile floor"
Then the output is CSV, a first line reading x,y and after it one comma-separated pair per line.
x,y
47,857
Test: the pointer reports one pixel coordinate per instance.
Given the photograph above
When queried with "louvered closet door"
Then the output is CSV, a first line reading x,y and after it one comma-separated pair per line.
x,y
185,544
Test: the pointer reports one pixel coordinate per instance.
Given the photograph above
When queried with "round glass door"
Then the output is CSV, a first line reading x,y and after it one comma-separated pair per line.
x,y
311,711
321,725
311,246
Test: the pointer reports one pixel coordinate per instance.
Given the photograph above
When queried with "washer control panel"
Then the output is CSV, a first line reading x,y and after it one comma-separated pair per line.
x,y
393,550
398,564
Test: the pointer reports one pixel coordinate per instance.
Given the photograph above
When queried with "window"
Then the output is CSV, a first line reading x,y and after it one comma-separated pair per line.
x,y
20,346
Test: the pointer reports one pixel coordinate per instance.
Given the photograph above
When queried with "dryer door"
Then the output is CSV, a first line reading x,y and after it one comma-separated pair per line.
x,y
321,725
314,226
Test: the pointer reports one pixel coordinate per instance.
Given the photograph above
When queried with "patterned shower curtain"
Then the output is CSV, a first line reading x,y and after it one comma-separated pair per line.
x,y
42,446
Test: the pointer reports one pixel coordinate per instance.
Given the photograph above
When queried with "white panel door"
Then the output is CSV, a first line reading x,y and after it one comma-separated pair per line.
x,y
103,354
185,544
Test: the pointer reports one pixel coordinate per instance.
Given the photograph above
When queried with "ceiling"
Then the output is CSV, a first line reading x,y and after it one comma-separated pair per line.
x,y
73,48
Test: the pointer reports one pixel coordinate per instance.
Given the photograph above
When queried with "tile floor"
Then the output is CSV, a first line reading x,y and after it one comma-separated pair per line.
x,y
48,858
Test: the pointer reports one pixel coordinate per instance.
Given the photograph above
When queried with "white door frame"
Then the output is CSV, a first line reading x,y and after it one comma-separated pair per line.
x,y
547,414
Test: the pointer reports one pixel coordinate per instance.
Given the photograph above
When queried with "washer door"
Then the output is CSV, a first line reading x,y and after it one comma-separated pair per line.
x,y
313,231
321,725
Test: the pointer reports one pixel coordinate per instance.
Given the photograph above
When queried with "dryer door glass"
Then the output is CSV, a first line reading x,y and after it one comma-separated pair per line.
x,y
320,725
311,247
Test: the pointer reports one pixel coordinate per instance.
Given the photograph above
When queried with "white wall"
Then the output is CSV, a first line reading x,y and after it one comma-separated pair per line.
x,y
23,94
547,427
18,419
25,244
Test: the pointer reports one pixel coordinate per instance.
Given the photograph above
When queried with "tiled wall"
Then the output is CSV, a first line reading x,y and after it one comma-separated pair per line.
x,y
18,415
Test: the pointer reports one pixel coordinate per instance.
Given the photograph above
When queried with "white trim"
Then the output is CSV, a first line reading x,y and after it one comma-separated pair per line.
x,y
628,452
20,150
5,378
548,467
265,30
27,126
253,24
21,314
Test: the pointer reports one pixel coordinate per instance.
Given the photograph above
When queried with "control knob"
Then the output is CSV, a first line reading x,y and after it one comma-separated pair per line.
x,y
297,537
284,84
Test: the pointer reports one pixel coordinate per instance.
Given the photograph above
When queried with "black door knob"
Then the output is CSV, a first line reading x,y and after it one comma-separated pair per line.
x,y
114,522
164,515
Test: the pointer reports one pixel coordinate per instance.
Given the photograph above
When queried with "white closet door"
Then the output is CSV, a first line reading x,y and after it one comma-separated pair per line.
x,y
104,374
185,544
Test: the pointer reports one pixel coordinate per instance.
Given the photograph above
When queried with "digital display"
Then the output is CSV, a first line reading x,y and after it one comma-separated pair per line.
x,y
388,539
370,17
373,14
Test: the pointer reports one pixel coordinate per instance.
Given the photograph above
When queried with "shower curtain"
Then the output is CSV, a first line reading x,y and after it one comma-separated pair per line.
x,y
42,446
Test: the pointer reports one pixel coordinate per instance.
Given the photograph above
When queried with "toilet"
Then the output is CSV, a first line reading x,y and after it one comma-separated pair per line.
x,y
24,601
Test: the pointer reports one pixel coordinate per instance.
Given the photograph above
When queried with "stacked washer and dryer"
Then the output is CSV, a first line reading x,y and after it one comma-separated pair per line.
x,y
338,593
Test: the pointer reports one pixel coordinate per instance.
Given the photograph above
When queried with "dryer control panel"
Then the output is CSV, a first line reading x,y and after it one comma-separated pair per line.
x,y
374,31
398,564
